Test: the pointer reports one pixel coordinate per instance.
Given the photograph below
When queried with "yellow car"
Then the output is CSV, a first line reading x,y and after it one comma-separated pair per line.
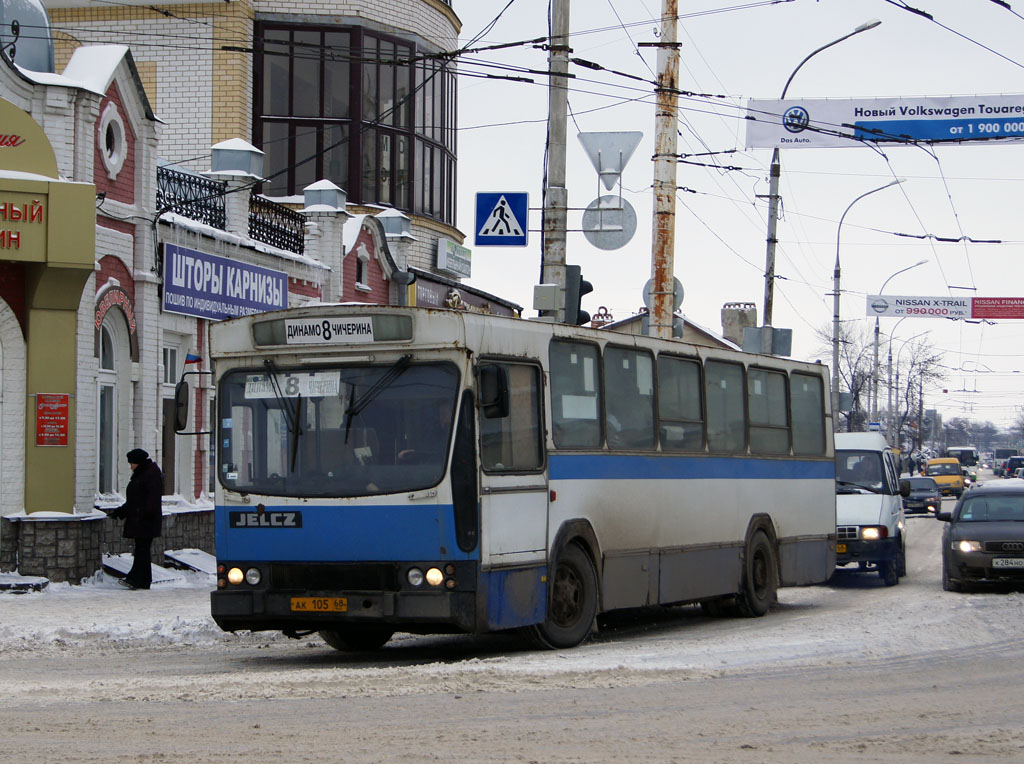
x,y
947,475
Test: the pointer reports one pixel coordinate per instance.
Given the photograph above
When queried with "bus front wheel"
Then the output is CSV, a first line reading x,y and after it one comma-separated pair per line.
x,y
572,604
760,577
357,637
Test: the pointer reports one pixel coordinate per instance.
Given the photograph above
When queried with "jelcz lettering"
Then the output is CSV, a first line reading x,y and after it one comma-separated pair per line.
x,y
265,519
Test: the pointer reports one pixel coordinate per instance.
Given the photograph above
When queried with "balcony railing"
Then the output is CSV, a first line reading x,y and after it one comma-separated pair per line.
x,y
191,196
201,199
275,224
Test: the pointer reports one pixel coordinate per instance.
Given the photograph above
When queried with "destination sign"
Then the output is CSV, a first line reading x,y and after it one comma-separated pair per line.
x,y
328,331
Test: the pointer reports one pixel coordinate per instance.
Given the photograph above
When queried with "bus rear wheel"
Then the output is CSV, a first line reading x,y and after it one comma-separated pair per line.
x,y
572,603
357,637
760,577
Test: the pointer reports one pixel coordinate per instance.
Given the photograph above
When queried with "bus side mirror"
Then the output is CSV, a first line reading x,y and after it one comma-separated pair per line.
x,y
181,396
904,488
494,395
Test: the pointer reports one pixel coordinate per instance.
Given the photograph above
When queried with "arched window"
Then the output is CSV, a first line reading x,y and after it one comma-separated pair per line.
x,y
106,349
112,400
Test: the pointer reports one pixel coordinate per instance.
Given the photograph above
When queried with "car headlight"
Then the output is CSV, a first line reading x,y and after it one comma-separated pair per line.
x,y
874,532
967,546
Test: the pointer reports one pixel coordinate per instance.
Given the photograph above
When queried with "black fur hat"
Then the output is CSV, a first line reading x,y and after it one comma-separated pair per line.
x,y
138,456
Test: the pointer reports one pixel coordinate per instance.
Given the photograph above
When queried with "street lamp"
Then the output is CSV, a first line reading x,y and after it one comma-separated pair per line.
x,y
889,381
874,376
773,182
898,352
835,304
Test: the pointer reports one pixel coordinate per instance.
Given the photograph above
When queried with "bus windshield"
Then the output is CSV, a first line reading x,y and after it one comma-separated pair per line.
x,y
338,431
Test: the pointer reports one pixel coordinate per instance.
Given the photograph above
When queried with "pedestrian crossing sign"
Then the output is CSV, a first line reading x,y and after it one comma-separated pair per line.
x,y
501,219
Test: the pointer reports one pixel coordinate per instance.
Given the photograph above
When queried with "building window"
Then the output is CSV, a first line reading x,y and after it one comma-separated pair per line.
x,y
106,349
106,463
111,139
352,106
171,373
362,268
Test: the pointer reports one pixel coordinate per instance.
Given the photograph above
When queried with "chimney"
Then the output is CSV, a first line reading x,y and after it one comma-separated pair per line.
x,y
737,316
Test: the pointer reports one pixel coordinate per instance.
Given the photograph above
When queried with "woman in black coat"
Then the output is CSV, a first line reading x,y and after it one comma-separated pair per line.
x,y
142,513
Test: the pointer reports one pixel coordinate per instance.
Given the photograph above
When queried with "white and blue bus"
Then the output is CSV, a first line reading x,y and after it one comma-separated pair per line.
x,y
386,469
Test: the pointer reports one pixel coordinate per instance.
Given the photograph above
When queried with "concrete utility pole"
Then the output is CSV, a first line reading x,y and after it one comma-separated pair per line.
x,y
555,195
665,158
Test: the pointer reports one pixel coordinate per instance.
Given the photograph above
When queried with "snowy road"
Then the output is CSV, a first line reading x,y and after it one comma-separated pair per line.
x,y
852,671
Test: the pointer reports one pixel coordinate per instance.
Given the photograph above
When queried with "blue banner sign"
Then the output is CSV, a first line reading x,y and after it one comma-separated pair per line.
x,y
212,287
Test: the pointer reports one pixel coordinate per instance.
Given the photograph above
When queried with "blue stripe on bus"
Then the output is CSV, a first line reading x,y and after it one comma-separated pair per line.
x,y
346,533
600,466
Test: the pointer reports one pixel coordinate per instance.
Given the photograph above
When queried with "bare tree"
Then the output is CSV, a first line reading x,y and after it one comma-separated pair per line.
x,y
923,368
919,367
856,364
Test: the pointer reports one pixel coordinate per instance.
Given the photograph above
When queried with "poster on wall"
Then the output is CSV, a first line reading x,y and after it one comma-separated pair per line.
x,y
209,286
52,419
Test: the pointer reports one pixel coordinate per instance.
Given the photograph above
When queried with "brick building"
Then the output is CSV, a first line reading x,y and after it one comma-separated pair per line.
x,y
157,137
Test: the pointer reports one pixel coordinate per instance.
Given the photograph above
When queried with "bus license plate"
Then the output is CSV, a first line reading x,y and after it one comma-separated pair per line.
x,y
840,548
319,604
1008,562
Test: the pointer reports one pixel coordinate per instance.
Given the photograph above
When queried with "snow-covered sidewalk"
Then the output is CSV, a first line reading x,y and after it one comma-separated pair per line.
x,y
101,611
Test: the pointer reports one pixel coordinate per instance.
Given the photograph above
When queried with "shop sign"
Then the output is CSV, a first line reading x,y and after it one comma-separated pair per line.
x,y
454,258
116,297
52,419
208,286
23,225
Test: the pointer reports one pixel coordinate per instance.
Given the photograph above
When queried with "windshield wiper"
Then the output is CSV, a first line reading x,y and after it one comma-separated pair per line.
x,y
292,416
858,485
356,406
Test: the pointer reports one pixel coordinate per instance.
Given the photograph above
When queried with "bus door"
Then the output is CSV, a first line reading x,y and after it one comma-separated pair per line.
x,y
513,477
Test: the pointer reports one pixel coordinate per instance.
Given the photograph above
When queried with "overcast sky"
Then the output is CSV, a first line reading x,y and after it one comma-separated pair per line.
x,y
732,52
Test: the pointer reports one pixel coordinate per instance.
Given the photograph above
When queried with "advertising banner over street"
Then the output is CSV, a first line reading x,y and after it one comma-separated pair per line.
x,y
838,123
208,286
945,307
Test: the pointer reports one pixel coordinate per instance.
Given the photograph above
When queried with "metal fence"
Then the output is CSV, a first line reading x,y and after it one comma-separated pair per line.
x,y
201,199
191,196
276,224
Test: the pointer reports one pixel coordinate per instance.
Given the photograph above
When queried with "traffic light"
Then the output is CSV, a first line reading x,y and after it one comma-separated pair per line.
x,y
575,288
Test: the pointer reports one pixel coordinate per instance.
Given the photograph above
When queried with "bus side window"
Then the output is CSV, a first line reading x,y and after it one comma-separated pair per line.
x,y
514,443
724,390
629,398
806,401
769,415
680,405
575,394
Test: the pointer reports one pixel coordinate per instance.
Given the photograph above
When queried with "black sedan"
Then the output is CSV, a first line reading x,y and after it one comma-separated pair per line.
x,y
983,543
925,495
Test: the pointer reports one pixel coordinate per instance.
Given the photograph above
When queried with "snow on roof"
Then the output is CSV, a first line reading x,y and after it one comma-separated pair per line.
x,y
350,231
242,241
91,68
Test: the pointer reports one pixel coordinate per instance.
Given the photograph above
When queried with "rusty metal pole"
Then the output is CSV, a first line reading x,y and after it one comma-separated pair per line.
x,y
555,194
665,132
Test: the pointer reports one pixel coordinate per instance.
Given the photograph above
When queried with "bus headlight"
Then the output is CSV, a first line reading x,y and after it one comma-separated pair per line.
x,y
415,576
435,577
235,576
253,576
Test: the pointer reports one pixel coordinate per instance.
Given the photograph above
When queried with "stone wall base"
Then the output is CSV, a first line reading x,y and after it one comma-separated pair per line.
x,y
72,549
